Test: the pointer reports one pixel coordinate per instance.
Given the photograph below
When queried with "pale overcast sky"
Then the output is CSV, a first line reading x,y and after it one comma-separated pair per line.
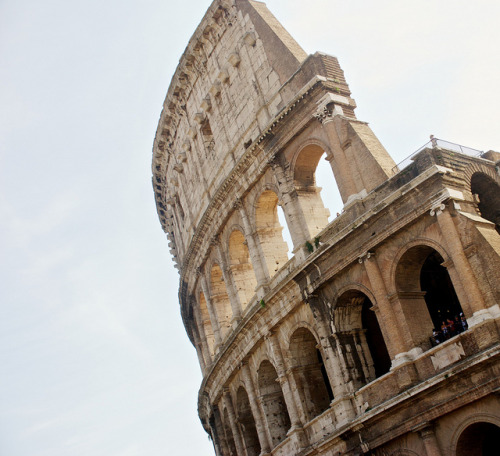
x,y
94,360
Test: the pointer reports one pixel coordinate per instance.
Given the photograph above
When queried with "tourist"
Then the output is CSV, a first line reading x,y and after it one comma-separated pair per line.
x,y
436,337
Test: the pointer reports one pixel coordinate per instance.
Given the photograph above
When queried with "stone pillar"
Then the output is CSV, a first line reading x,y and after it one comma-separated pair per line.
x,y
256,254
291,207
211,312
426,433
297,389
228,280
232,422
332,364
338,161
361,161
256,406
341,404
218,431
205,349
276,354
392,321
198,347
475,302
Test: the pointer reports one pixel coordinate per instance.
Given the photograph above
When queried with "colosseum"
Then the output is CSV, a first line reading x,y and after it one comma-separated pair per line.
x,y
378,333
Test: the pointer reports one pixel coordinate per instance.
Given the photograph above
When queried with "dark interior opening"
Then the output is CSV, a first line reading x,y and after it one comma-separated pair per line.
x,y
375,340
440,297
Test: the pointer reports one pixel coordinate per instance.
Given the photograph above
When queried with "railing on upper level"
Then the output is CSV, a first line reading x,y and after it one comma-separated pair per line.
x,y
434,143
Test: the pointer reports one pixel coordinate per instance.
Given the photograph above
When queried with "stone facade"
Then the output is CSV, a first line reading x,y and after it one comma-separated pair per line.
x,y
328,352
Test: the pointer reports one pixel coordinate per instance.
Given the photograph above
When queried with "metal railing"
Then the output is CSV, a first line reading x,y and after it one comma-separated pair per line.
x,y
433,144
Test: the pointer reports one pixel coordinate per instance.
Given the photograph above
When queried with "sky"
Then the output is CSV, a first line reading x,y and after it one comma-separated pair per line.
x,y
94,359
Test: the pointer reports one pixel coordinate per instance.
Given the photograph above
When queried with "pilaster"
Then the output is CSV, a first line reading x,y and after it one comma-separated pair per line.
x,y
291,207
475,302
228,280
256,254
232,421
426,433
256,406
211,311
392,323
276,354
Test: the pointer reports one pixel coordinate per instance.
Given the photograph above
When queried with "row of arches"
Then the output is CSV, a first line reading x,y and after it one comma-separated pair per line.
x,y
356,340
259,239
257,245
313,396
254,255
424,288
312,391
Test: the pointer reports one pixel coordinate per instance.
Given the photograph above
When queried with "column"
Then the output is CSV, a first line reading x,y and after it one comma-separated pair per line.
x,y
331,359
199,351
256,255
276,354
362,163
256,406
338,162
391,325
218,433
455,250
426,432
211,313
228,279
205,349
232,422
341,404
291,207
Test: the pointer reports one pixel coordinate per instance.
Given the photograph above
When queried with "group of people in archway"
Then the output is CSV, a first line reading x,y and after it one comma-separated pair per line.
x,y
449,328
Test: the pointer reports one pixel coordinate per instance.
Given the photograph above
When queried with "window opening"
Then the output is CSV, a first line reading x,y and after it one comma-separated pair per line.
x,y
286,232
329,191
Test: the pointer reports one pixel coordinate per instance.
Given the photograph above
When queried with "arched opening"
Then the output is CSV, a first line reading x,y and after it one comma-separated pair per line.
x,y
220,300
375,339
428,298
228,433
241,267
278,420
479,439
269,231
487,196
325,180
247,423
207,325
309,171
287,237
310,375
361,340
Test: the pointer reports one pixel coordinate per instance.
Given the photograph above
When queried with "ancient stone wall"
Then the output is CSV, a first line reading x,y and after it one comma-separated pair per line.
x,y
342,345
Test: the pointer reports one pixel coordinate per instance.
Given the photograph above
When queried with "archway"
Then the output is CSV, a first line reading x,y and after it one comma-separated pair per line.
x,y
305,176
426,293
310,375
247,423
361,339
269,231
220,300
479,439
241,267
487,195
278,420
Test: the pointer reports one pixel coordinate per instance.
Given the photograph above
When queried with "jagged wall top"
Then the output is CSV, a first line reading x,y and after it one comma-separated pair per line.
x,y
225,90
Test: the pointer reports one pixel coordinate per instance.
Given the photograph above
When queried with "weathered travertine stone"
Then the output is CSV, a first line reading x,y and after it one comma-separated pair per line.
x,y
330,351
